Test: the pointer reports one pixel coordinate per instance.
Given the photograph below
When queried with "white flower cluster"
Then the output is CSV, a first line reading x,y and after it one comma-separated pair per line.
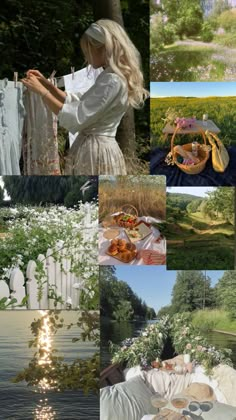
x,y
31,231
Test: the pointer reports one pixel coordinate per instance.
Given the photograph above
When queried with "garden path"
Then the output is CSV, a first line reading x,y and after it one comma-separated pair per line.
x,y
224,53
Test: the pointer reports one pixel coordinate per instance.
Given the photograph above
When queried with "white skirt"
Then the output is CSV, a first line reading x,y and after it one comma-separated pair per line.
x,y
93,154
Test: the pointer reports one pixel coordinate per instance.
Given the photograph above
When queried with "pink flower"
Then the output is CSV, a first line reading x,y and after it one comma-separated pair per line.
x,y
188,346
199,348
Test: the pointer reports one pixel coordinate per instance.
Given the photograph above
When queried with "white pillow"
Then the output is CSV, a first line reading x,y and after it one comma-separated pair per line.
x,y
129,400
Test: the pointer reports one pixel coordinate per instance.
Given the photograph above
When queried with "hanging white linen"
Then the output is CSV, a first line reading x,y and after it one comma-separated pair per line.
x,y
80,81
11,125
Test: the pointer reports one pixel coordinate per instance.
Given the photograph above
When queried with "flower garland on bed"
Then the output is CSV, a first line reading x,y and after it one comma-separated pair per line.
x,y
186,339
144,349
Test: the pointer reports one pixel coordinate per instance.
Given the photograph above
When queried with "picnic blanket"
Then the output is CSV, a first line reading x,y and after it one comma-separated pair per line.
x,y
149,252
208,177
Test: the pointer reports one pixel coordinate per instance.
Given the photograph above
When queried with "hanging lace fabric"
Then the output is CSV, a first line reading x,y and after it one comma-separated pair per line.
x,y
40,143
11,126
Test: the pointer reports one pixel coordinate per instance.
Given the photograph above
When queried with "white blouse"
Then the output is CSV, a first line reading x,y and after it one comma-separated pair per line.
x,y
99,110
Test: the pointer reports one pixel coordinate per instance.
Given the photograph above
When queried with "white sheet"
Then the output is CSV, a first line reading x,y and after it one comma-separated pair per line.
x,y
81,81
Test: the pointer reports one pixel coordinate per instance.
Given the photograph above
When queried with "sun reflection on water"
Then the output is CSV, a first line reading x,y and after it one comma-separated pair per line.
x,y
43,410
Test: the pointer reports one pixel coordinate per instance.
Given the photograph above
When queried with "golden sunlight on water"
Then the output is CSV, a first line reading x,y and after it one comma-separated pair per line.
x,y
43,410
45,340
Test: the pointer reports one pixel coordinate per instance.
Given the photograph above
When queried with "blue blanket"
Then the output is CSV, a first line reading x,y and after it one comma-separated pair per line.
x,y
208,177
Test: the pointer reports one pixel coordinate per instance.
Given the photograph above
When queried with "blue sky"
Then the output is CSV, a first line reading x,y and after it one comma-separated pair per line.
x,y
154,283
196,89
198,191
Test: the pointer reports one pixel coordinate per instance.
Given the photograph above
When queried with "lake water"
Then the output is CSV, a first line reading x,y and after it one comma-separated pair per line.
x,y
17,401
117,332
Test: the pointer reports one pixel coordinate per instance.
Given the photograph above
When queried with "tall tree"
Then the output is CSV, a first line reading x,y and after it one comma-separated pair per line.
x,y
226,292
221,202
124,311
186,15
191,291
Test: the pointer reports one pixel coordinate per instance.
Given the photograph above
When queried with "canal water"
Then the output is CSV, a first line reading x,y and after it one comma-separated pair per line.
x,y
117,332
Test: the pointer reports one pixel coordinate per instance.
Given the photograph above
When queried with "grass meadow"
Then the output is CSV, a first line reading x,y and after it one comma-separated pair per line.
x,y
222,110
213,319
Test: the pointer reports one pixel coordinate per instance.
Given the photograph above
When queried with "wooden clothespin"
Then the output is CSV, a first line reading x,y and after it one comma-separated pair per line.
x,y
15,78
52,74
73,72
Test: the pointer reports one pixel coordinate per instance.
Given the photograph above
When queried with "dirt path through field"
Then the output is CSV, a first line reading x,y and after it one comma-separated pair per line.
x,y
223,53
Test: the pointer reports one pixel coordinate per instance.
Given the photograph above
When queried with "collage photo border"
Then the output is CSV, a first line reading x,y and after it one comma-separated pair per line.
x,y
118,272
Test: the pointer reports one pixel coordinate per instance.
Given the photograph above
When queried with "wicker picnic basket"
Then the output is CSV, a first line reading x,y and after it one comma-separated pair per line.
x,y
203,154
127,209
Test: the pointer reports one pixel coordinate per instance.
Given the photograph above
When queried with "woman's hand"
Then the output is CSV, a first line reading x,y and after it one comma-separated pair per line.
x,y
32,83
41,78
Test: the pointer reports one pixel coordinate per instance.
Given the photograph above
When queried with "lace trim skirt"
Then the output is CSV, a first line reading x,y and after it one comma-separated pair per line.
x,y
93,154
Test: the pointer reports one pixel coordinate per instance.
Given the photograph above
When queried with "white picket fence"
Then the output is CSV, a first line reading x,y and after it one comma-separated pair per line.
x,y
58,278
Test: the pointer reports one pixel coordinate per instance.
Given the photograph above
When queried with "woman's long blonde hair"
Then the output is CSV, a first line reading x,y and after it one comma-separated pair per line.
x,y
122,56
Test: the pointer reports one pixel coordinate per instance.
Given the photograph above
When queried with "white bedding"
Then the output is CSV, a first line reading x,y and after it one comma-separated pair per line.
x,y
169,385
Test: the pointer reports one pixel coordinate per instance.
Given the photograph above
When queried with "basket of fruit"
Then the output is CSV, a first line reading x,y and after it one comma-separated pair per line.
x,y
128,217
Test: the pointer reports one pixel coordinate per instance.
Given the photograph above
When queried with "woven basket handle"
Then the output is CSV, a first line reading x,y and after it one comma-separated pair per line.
x,y
201,131
129,208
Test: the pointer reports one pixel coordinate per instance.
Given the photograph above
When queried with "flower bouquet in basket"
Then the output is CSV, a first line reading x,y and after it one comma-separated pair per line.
x,y
184,122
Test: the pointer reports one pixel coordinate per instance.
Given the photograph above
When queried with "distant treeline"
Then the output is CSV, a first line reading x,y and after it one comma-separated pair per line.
x,y
118,301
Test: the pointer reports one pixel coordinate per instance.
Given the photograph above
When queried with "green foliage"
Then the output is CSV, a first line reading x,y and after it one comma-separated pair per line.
x,y
182,201
203,236
164,311
226,293
144,349
32,231
193,206
221,203
114,292
187,339
124,311
26,27
226,40
207,34
186,15
161,34
217,319
6,303
221,110
228,20
191,291
48,189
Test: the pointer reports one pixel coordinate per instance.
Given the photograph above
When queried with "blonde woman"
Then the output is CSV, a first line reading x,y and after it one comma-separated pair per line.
x,y
97,113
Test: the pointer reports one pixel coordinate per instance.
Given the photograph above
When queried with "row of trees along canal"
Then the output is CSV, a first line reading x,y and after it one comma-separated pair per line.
x,y
118,301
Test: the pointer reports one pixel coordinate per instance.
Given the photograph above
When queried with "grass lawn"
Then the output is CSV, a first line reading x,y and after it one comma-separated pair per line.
x,y
195,62
200,244
214,319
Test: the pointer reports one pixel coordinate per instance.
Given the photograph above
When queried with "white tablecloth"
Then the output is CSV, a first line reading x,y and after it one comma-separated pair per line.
x,y
147,243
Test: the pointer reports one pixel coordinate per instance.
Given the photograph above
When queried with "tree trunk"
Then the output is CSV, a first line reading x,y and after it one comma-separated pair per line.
x,y
111,9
